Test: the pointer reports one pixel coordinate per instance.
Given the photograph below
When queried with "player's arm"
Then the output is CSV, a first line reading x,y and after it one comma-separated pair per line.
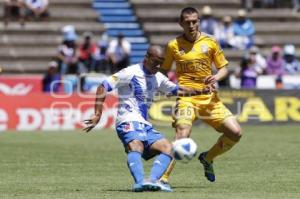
x,y
220,75
182,91
168,60
112,82
100,97
220,63
174,90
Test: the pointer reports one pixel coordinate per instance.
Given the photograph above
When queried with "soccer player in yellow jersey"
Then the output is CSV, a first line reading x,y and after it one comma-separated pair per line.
x,y
194,52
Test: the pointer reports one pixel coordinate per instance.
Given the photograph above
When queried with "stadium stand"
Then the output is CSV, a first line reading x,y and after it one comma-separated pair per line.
x,y
119,17
30,48
273,26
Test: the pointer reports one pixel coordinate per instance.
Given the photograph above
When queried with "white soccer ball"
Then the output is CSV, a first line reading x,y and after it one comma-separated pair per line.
x,y
184,149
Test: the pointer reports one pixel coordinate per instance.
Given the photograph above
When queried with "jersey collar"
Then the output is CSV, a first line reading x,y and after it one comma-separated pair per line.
x,y
146,72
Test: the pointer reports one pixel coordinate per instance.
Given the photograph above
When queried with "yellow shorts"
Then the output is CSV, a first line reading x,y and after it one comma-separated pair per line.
x,y
210,109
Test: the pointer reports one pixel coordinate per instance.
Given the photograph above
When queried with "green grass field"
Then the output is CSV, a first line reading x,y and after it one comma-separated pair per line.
x,y
265,164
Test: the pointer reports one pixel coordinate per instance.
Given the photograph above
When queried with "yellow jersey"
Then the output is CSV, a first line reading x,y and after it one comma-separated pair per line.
x,y
194,60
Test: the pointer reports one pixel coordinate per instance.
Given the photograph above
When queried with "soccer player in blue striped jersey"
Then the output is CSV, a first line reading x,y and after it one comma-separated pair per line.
x,y
136,85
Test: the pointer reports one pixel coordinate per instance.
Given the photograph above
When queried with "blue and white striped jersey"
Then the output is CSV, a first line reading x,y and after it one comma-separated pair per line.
x,y
136,89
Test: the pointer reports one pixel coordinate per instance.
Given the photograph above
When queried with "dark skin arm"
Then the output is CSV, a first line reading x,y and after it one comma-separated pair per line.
x,y
100,97
192,92
188,92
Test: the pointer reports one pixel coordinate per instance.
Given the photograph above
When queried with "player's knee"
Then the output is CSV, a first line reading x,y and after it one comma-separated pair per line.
x,y
136,145
183,131
237,133
166,147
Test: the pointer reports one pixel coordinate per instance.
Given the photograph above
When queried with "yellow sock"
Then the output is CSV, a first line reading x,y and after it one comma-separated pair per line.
x,y
223,144
167,173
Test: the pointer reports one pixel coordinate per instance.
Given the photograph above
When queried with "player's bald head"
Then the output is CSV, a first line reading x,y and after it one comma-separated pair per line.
x,y
155,50
154,58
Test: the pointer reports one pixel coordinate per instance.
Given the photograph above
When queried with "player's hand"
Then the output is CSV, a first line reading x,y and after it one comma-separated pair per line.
x,y
91,123
210,80
209,89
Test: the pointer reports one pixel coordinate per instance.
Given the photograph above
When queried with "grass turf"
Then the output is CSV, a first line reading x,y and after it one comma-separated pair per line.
x,y
265,164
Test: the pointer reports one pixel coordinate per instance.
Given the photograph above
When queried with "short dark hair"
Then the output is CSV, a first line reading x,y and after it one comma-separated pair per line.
x,y
188,10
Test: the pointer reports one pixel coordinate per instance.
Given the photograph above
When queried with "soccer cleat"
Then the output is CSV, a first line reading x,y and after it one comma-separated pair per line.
x,y
165,186
151,186
208,167
137,187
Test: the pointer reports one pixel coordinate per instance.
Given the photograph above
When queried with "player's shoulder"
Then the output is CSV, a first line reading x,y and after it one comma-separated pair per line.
x,y
130,71
175,41
132,68
208,37
160,76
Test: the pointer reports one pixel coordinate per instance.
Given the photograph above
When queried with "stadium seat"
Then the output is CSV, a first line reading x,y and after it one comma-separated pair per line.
x,y
266,82
291,81
106,19
234,82
115,12
98,5
126,33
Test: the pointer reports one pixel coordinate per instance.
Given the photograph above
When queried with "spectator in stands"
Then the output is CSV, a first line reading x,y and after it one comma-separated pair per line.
x,y
87,51
291,64
296,5
247,73
13,9
119,51
51,80
248,4
207,22
244,30
37,9
257,60
275,62
67,52
101,57
225,34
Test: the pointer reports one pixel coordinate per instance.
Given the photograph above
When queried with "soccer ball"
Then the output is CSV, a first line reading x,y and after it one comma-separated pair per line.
x,y
184,149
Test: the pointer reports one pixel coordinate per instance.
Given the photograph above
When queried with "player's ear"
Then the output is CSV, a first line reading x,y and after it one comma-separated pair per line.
x,y
180,23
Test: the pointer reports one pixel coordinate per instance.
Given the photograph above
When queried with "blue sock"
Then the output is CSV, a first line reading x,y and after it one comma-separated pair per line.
x,y
135,165
160,165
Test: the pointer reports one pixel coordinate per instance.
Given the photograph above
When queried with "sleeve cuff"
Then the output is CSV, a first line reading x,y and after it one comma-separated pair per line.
x,y
175,90
106,85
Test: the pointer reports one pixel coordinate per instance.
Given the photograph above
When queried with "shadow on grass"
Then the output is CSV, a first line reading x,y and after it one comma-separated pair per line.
x,y
118,190
175,189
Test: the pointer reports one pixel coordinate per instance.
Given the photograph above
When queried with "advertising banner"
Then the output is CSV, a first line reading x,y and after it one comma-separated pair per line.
x,y
249,106
20,84
39,111
45,112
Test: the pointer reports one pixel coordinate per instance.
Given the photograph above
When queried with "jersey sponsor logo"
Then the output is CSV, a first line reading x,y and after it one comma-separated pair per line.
x,y
204,48
114,78
195,65
127,127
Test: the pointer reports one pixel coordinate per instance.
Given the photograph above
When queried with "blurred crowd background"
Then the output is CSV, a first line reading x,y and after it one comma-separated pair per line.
x,y
80,42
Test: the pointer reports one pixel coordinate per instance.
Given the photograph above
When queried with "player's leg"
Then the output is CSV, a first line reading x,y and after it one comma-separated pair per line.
x,y
220,118
158,145
231,134
184,116
133,142
135,164
164,149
